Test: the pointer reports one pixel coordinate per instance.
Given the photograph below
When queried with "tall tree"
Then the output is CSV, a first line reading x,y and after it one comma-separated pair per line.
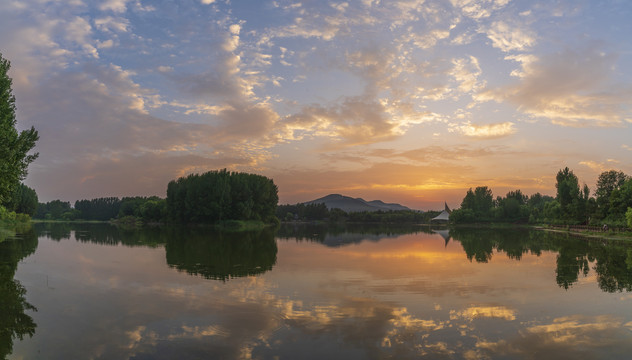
x,y
14,146
568,193
608,182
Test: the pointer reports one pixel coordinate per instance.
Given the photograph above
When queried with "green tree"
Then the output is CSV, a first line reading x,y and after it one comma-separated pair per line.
x,y
14,146
480,202
607,182
24,200
628,216
620,201
573,200
216,196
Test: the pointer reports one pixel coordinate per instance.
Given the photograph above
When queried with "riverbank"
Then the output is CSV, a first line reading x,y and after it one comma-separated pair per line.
x,y
606,235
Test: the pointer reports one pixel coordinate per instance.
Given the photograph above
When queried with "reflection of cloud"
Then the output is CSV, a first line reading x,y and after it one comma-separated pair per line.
x,y
475,312
570,337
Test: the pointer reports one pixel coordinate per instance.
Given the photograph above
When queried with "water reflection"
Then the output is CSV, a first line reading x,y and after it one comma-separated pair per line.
x,y
104,234
612,259
345,234
222,255
203,251
15,323
312,293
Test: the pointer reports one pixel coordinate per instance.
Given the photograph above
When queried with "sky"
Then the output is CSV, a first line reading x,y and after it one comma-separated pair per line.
x,y
407,101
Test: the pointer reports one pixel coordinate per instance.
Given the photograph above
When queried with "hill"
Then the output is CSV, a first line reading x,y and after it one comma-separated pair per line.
x,y
349,204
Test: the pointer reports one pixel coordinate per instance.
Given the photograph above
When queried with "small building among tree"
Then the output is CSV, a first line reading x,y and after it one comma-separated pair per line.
x,y
444,216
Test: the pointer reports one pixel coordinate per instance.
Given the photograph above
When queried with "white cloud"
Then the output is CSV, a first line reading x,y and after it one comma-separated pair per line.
x,y
488,131
117,6
479,9
466,72
571,88
112,24
509,38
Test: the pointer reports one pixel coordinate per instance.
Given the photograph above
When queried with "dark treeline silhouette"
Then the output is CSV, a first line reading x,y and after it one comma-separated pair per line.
x,y
148,209
612,261
207,198
218,196
572,205
319,211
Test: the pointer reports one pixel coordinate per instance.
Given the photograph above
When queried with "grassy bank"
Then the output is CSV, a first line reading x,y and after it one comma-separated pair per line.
x,y
607,235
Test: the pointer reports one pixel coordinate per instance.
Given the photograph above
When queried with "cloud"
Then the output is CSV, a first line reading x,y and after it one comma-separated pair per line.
x,y
466,72
488,131
595,166
117,6
509,38
571,88
357,120
479,9
96,133
112,24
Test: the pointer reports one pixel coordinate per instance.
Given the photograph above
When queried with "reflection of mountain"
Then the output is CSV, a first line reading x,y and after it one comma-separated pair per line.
x,y
613,260
339,235
221,256
14,322
349,204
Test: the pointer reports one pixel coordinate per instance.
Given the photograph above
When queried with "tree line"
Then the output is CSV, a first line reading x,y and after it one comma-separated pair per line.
x,y
610,204
207,198
320,212
146,209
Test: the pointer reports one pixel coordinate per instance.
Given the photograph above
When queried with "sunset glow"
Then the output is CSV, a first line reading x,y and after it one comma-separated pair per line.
x,y
407,101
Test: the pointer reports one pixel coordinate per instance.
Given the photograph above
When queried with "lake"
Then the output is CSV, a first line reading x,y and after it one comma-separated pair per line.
x,y
313,292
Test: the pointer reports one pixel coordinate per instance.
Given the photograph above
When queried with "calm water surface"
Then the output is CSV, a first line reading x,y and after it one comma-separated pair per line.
x,y
96,292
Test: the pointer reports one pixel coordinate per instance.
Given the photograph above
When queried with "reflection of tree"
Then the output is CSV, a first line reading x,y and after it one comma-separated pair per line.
x,y
14,323
222,255
614,269
613,260
104,234
571,260
342,234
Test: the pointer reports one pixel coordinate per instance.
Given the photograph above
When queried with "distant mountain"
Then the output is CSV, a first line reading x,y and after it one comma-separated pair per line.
x,y
349,204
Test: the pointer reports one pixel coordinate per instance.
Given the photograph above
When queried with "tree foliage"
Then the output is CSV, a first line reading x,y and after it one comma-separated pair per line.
x,y
221,195
571,205
23,201
14,146
480,202
608,182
